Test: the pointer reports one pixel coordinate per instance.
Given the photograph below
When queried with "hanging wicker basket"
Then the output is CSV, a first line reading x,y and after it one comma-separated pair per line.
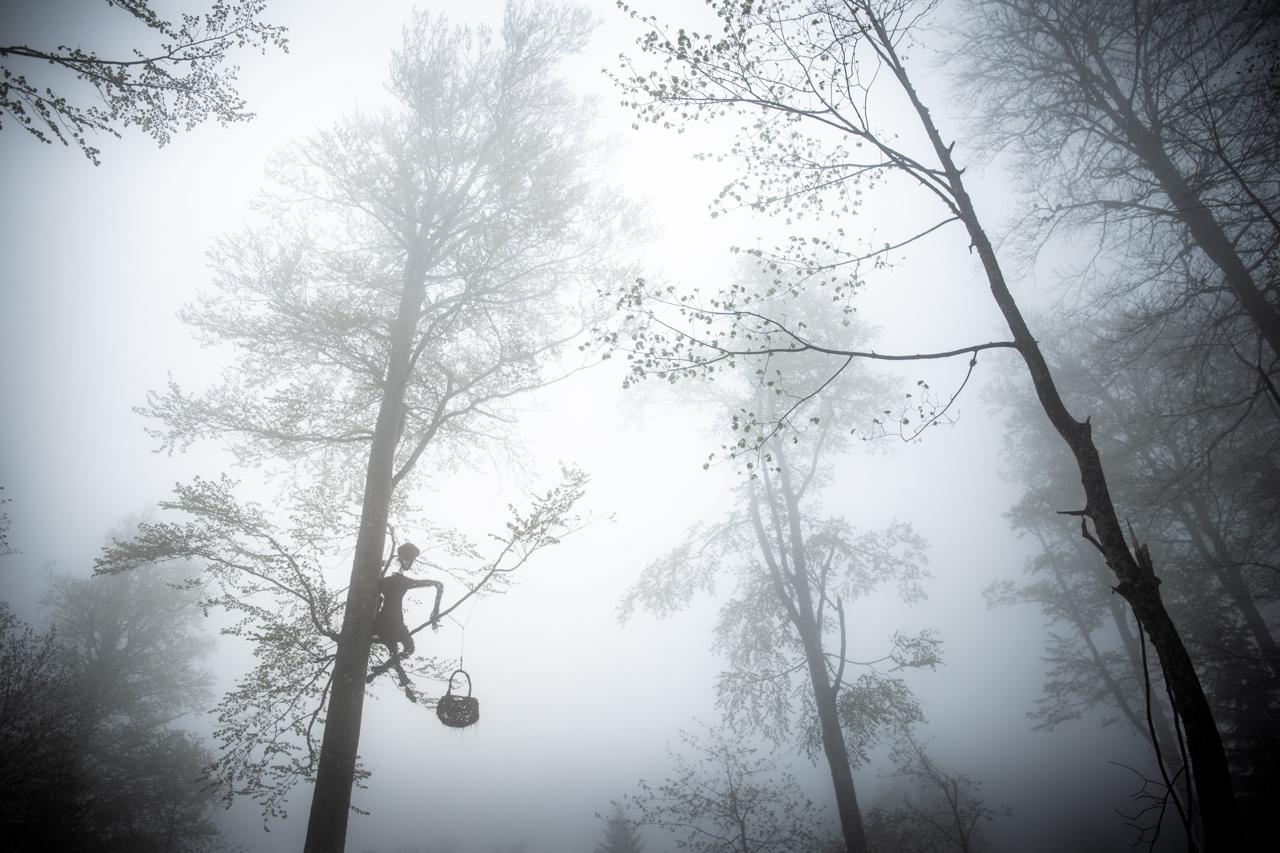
x,y
457,711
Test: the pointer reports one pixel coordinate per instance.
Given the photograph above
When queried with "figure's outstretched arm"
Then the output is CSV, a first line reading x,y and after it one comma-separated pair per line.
x,y
435,608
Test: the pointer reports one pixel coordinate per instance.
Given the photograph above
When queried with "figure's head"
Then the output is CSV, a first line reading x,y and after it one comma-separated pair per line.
x,y
407,553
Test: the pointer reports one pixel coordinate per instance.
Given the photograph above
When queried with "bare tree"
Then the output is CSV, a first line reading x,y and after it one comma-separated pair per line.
x,y
807,70
941,812
173,83
724,797
1144,118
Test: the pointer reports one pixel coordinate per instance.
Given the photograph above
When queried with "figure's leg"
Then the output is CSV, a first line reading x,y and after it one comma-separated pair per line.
x,y
406,640
405,684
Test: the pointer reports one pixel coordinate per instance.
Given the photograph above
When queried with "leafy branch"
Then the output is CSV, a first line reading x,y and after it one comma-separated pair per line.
x,y
273,583
174,86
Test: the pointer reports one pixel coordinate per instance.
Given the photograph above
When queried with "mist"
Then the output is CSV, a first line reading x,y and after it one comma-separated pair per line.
x,y
759,523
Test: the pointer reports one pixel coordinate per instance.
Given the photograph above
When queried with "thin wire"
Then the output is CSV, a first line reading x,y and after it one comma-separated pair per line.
x,y
462,640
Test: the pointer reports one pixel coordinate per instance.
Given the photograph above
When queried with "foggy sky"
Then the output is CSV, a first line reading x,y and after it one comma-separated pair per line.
x,y
575,708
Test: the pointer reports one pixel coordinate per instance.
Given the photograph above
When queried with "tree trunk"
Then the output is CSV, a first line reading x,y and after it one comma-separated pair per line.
x,y
1080,623
1146,144
824,691
1204,228
833,746
335,773
1222,563
1158,732
1137,581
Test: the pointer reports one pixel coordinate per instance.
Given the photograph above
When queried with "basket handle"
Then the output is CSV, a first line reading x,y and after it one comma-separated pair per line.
x,y
455,674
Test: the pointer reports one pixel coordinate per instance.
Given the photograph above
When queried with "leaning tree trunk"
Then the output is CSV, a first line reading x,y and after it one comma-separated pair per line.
x,y
335,773
802,615
1157,731
1137,581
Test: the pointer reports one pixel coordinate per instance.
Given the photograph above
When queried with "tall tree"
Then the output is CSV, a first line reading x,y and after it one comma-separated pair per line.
x,y
1151,128
417,273
1193,468
812,73
796,571
138,649
177,77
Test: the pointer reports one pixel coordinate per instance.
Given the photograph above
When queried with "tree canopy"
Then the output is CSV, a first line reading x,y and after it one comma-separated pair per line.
x,y
95,753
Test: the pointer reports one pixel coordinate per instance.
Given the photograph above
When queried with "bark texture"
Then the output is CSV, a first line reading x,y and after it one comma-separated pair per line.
x,y
335,772
1137,581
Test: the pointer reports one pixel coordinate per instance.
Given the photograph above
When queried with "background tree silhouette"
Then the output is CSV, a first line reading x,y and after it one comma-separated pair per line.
x,y
620,834
724,796
798,575
41,787
95,753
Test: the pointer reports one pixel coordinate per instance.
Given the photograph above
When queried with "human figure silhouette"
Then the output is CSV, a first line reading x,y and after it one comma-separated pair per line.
x,y
388,625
